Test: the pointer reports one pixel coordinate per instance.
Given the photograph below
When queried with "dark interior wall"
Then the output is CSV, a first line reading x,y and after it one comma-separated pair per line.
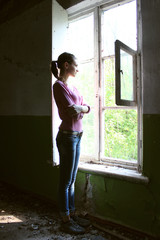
x,y
11,8
25,99
25,122
151,86
151,101
25,45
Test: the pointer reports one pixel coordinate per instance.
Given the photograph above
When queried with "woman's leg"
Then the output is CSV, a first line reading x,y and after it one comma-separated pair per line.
x,y
74,174
67,146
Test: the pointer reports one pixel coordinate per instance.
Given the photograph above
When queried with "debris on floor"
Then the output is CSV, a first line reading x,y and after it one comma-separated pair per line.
x,y
24,216
27,217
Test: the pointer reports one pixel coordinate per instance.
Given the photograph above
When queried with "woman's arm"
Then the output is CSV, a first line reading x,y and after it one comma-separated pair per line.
x,y
76,109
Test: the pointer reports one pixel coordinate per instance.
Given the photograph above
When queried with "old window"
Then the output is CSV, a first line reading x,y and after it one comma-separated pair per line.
x,y
119,115
104,38
111,130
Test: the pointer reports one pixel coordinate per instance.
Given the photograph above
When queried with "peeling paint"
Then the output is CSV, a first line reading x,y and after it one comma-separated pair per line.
x,y
87,195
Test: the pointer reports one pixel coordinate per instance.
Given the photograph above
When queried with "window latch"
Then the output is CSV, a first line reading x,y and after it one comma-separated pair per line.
x,y
121,71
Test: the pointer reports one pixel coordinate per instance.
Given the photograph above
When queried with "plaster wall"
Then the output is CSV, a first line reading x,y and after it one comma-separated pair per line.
x,y
151,53
25,46
25,100
59,29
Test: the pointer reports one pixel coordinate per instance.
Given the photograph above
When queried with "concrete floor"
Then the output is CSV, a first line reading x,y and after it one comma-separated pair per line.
x,y
24,216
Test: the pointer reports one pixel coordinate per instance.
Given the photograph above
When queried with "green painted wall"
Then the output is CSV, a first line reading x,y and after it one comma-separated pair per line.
x,y
132,204
25,151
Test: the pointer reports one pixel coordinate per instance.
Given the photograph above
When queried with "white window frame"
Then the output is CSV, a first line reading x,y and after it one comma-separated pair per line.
x,y
122,104
78,12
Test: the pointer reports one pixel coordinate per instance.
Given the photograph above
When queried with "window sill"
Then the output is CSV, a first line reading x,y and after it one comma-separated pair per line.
x,y
114,172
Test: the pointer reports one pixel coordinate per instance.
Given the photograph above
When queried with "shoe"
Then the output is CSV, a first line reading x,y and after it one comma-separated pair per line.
x,y
81,221
72,227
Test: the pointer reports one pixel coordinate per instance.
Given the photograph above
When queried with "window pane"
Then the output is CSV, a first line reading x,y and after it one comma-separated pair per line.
x,y
120,134
85,84
109,81
126,76
88,139
81,38
119,23
81,44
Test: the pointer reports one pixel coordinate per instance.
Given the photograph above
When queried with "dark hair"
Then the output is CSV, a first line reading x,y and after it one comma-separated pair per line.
x,y
64,57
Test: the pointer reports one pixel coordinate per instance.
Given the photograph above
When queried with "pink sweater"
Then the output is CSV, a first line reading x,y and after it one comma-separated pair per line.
x,y
65,97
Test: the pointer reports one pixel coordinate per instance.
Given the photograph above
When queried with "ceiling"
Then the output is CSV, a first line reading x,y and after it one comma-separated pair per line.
x,y
11,8
69,3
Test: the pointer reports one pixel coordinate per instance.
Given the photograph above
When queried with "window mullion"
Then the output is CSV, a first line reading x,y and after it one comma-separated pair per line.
x,y
97,79
101,88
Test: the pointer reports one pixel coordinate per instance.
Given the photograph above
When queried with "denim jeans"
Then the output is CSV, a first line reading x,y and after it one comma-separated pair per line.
x,y
69,152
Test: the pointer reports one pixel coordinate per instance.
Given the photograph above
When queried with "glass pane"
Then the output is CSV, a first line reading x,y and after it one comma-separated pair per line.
x,y
81,44
126,76
109,81
81,38
88,138
84,82
120,135
119,23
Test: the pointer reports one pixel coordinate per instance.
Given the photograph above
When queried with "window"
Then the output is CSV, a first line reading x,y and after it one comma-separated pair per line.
x,y
125,65
111,130
118,121
104,39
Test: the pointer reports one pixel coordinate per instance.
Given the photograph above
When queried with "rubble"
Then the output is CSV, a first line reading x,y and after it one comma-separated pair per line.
x,y
24,216
34,219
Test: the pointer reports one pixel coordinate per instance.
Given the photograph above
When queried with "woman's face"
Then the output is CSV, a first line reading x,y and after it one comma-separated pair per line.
x,y
72,68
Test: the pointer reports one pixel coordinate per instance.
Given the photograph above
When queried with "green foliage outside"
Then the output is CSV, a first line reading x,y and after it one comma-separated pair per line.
x,y
121,134
120,125
120,128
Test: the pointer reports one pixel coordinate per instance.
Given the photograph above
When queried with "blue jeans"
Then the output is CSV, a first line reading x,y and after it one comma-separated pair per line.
x,y
69,152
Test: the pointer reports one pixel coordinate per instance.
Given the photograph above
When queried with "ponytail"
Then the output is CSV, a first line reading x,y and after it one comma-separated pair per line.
x,y
54,69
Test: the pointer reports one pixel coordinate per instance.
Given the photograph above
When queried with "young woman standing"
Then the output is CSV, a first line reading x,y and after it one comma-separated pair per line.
x,y
71,111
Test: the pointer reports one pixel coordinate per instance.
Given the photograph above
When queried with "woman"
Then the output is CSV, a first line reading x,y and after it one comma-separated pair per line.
x,y
71,110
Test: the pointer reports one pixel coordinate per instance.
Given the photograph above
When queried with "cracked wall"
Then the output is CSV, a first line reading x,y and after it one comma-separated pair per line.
x,y
25,45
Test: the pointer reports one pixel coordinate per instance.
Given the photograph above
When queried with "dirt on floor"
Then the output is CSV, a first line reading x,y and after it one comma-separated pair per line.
x,y
24,216
27,217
